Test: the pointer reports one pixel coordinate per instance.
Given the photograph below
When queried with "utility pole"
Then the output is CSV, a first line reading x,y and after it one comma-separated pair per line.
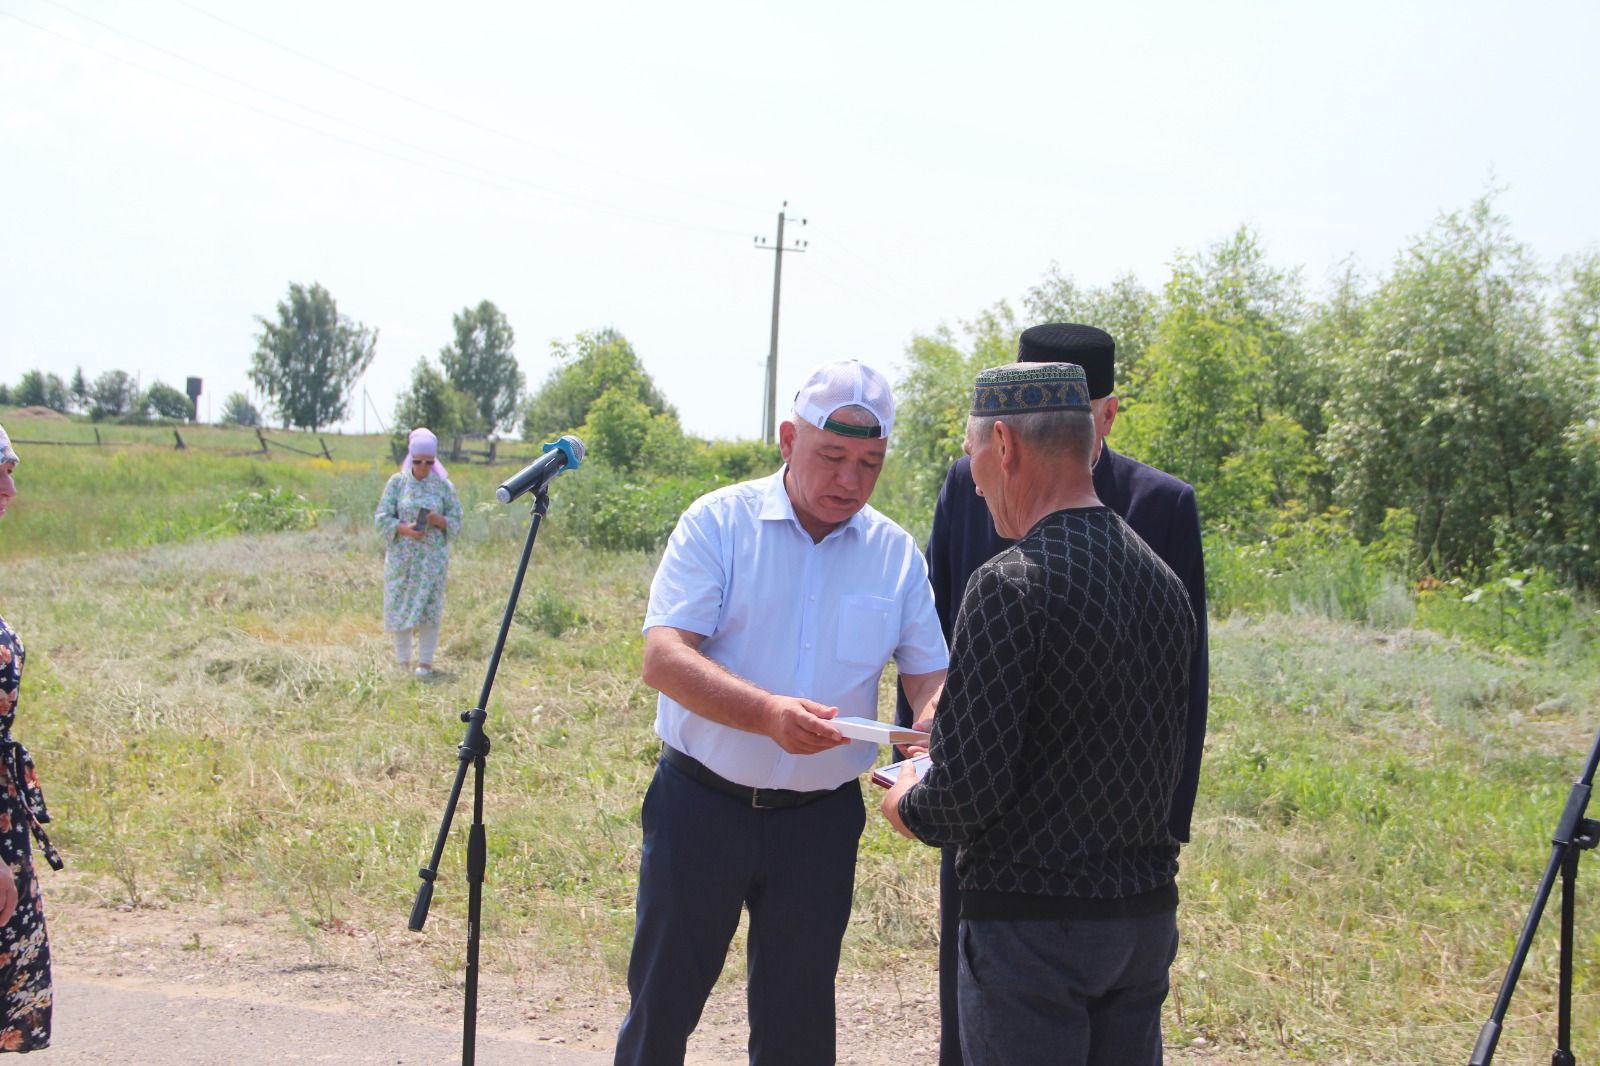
x,y
368,401
770,395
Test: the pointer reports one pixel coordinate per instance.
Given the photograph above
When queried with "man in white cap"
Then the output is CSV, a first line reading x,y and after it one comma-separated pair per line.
x,y
776,606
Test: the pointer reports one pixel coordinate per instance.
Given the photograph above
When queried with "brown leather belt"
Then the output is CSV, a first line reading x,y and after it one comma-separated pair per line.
x,y
760,798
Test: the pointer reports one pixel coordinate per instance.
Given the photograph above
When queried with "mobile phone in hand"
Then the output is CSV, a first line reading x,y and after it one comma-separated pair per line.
x,y
886,776
422,519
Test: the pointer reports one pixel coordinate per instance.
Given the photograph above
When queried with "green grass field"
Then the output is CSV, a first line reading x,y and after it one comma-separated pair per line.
x,y
216,721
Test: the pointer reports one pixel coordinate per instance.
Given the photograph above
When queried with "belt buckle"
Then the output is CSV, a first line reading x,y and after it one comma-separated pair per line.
x,y
755,801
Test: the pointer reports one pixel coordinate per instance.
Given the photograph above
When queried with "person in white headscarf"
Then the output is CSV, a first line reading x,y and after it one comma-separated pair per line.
x,y
418,517
25,989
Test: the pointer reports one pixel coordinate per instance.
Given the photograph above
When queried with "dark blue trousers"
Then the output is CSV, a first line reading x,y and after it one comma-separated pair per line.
x,y
1069,992
706,857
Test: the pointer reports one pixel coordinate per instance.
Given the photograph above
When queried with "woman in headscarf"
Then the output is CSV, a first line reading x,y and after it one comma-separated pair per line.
x,y
418,516
25,996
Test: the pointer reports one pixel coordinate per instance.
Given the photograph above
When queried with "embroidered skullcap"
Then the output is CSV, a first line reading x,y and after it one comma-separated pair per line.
x,y
8,454
1021,388
1068,342
845,384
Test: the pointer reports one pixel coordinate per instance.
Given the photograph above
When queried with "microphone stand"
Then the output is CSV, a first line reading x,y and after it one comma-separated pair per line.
x,y
1574,835
474,750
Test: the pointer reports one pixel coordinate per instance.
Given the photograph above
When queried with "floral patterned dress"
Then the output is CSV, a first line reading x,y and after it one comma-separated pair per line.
x,y
414,571
25,996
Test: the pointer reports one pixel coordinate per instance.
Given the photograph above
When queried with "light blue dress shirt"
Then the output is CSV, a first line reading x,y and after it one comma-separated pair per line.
x,y
793,617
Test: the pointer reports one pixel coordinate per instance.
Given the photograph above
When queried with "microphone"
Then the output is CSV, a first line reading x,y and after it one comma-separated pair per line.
x,y
564,454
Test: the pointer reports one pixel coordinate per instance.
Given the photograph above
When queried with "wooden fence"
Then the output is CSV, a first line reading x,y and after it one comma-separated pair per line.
x,y
461,449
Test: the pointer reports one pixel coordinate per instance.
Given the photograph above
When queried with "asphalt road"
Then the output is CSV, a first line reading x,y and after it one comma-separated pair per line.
x,y
125,1022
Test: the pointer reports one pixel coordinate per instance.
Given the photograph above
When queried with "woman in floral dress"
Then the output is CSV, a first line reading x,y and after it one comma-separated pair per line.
x,y
25,996
418,517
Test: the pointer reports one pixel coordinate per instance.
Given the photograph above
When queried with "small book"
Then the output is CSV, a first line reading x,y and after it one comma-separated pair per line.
x,y
886,776
878,732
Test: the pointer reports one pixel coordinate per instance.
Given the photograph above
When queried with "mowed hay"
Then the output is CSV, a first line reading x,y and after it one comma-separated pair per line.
x,y
220,721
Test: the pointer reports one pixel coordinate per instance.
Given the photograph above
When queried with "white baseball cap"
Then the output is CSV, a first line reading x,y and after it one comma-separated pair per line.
x,y
846,383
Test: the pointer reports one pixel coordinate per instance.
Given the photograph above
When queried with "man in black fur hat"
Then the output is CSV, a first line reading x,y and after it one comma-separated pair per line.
x,y
1162,511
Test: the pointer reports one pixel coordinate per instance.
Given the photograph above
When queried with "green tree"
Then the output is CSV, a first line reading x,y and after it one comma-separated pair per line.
x,y
79,390
589,366
481,364
624,434
306,362
432,402
1576,553
168,402
1226,357
113,395
30,391
1577,317
1452,403
237,410
38,389
1333,332
1125,309
931,405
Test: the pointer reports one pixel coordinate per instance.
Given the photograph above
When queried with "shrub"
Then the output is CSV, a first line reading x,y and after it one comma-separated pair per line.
x,y
168,402
266,511
739,460
604,508
1523,611
239,411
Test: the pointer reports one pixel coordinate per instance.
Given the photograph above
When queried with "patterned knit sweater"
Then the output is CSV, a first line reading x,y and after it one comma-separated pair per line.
x,y
1059,738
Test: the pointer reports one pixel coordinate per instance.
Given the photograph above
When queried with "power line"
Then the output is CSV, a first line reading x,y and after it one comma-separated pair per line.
x,y
509,183
143,68
893,280
455,117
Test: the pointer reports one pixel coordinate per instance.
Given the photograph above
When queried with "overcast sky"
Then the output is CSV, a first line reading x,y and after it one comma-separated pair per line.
x,y
168,167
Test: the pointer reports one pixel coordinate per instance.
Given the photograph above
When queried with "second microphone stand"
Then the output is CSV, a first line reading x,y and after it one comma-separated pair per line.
x,y
474,749
1574,835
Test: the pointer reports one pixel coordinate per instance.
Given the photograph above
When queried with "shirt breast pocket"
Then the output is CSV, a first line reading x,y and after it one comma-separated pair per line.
x,y
869,629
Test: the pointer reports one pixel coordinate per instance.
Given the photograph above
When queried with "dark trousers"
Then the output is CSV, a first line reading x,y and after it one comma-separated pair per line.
x,y
707,856
1073,992
949,961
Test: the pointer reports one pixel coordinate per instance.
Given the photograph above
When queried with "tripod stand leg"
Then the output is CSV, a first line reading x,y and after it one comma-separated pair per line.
x,y
1569,885
477,863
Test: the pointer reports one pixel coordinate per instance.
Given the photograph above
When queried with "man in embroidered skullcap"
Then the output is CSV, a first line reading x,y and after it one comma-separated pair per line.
x,y
1058,746
776,605
1162,511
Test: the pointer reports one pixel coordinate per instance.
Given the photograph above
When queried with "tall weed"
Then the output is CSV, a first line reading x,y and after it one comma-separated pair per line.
x,y
1523,611
1308,563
